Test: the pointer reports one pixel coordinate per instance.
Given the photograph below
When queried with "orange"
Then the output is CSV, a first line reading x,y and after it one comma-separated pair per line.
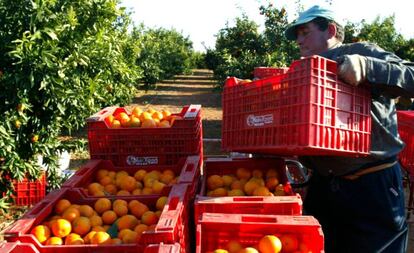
x,y
140,228
237,184
119,202
96,220
130,237
140,174
280,190
149,218
164,124
290,242
41,232
101,173
110,119
270,244
161,201
115,241
243,173
88,237
149,123
81,225
271,183
214,182
219,192
111,189
135,121
257,173
105,180
128,183
157,187
250,186
234,246
54,241
145,116
71,214
137,208
95,187
262,191
166,113
272,173
61,228
62,205
98,228
136,111
220,251
116,124
157,115
125,121
73,239
150,110
109,217
86,210
136,192
235,192
101,238
102,205
123,232
127,221
227,180
166,178
249,250
120,209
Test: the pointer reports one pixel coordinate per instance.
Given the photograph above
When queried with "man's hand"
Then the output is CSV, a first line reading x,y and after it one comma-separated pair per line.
x,y
352,68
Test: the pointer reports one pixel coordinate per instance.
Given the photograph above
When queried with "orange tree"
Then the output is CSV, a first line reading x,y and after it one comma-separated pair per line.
x,y
61,61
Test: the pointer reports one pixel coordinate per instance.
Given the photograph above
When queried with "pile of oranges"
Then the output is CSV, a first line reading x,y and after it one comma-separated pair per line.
x,y
73,224
149,118
267,244
120,183
246,183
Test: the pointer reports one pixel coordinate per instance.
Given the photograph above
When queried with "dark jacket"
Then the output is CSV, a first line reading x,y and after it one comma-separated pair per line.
x,y
388,77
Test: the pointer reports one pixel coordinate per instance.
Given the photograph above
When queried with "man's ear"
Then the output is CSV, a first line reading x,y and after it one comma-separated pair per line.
x,y
331,31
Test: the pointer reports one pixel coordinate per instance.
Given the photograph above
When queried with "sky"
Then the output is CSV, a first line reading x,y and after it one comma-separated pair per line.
x,y
200,20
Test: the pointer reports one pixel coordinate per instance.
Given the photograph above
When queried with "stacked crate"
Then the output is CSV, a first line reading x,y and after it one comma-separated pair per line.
x,y
173,153
301,110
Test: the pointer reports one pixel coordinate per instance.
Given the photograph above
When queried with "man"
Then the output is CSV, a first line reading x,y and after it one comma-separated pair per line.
x,y
358,201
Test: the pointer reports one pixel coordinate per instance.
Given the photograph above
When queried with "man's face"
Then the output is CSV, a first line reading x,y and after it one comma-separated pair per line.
x,y
311,40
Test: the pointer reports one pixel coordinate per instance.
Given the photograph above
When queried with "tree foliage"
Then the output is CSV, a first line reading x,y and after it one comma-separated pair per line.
x,y
61,61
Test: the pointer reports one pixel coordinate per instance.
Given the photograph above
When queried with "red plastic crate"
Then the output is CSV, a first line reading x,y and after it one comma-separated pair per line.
x,y
306,111
263,72
146,146
18,247
216,230
19,231
188,169
29,192
406,131
286,205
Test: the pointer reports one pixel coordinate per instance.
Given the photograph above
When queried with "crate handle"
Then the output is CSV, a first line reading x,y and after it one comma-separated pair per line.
x,y
192,111
254,219
102,114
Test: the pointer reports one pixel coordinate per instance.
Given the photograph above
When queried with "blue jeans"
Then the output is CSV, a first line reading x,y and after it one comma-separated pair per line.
x,y
362,215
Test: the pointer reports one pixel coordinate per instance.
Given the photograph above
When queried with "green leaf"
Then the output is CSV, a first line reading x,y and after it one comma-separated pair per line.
x,y
51,33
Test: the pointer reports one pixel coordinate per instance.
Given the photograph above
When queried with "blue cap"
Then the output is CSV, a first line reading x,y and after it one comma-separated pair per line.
x,y
307,16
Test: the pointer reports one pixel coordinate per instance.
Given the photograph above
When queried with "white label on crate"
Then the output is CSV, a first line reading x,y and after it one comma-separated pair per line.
x,y
260,120
140,161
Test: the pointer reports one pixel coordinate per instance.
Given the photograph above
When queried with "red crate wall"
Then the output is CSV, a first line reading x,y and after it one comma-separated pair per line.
x,y
305,111
29,192
263,72
406,131
214,231
146,146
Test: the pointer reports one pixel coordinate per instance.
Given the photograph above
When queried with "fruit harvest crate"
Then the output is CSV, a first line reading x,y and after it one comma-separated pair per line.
x,y
305,111
28,192
290,204
216,230
145,146
263,72
18,247
406,131
187,170
170,228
